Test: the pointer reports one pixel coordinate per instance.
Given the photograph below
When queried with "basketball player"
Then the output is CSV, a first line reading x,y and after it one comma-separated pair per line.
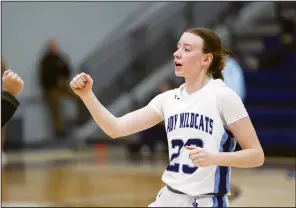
x,y
203,119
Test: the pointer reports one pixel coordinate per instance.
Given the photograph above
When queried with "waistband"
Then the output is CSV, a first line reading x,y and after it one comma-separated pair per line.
x,y
179,192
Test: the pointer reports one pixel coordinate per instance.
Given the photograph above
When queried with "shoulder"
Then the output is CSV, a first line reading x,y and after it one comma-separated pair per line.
x,y
222,91
161,99
230,105
225,96
158,103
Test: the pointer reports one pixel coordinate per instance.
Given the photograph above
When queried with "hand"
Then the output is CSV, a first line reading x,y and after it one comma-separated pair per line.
x,y
12,83
200,157
81,84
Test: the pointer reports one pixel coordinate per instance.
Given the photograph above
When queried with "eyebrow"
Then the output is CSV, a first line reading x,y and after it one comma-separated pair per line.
x,y
186,44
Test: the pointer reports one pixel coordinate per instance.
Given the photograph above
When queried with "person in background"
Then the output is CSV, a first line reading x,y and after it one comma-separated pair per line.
x,y
54,71
234,77
232,72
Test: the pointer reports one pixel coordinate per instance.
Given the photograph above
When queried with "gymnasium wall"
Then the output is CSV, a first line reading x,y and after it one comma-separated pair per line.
x,y
80,27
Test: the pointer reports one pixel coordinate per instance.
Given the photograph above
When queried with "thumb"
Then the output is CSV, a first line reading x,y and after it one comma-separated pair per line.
x,y
84,77
88,78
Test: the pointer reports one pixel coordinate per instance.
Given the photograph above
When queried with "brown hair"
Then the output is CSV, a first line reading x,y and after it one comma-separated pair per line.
x,y
212,44
3,66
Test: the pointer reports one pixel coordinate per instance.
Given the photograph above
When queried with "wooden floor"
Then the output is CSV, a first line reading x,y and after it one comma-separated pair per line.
x,y
108,178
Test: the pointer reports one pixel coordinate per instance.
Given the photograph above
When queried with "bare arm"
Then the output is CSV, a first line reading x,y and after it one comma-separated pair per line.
x,y
239,123
128,124
251,154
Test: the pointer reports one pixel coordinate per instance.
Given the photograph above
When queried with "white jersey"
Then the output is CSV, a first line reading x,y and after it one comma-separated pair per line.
x,y
199,119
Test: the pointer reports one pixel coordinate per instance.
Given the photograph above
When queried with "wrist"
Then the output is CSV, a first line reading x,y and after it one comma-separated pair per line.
x,y
87,95
11,93
216,158
11,98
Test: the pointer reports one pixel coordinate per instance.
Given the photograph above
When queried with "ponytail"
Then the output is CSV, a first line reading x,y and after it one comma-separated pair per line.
x,y
218,75
218,64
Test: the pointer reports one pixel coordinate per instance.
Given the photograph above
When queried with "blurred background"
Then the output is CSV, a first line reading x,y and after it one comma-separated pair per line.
x,y
53,153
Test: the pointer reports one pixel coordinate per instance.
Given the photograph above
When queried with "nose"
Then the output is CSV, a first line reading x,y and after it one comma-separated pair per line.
x,y
177,54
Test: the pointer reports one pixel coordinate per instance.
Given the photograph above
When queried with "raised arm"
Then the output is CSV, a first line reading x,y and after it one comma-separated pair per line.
x,y
12,86
114,127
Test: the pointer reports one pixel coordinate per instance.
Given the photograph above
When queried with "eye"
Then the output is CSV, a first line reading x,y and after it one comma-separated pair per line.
x,y
186,49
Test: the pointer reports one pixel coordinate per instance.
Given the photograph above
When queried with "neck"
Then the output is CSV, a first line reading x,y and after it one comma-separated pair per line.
x,y
194,84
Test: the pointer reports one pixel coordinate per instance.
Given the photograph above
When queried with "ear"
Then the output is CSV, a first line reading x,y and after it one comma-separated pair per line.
x,y
207,60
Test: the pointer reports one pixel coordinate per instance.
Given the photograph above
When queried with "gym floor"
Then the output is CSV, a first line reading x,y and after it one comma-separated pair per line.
x,y
109,178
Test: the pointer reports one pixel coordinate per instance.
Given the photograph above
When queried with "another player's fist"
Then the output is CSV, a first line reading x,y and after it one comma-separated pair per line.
x,y
200,157
12,83
81,84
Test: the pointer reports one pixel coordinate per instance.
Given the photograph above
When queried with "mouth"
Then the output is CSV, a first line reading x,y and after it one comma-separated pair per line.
x,y
177,64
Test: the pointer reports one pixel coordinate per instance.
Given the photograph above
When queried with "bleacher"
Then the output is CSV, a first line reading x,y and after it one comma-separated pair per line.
x,y
271,95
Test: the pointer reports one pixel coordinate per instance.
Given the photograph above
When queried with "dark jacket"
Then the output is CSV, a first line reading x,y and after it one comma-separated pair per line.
x,y
9,105
52,67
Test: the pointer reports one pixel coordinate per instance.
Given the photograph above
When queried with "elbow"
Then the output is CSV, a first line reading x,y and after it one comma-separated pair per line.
x,y
113,131
117,130
113,134
260,158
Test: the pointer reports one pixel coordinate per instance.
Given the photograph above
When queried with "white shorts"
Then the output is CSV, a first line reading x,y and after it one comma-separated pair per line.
x,y
166,198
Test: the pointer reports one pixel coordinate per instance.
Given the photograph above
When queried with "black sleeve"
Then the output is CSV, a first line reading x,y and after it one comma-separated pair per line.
x,y
9,105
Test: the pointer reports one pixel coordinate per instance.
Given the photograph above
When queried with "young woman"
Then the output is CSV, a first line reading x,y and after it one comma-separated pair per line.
x,y
203,119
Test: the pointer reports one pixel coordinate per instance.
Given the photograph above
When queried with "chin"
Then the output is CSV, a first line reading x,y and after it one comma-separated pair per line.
x,y
179,74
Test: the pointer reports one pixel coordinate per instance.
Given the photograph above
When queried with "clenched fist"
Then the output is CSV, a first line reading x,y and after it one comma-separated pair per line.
x,y
200,157
12,83
81,84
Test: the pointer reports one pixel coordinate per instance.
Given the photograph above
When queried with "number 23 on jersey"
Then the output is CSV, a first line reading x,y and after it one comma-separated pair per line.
x,y
178,144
